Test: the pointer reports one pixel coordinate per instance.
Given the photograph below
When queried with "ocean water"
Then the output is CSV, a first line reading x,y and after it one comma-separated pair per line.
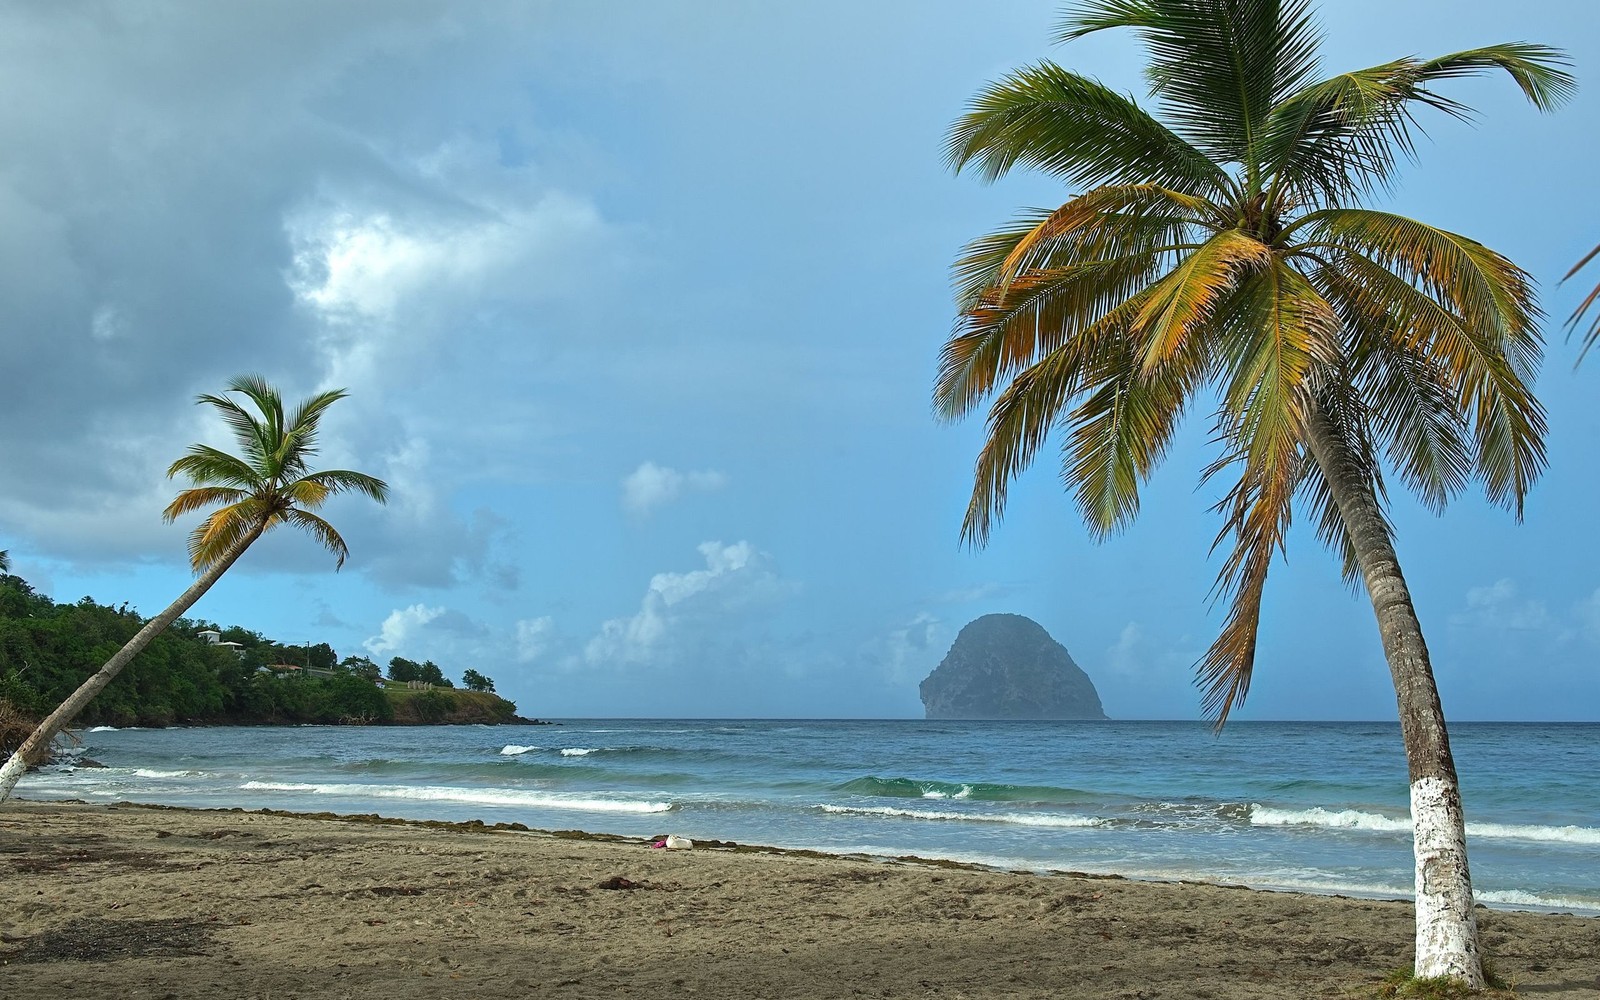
x,y
1315,806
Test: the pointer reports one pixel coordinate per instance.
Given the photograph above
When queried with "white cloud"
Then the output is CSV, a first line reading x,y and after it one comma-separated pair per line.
x,y
401,629
534,637
1129,653
911,651
968,595
682,611
380,281
651,485
1500,606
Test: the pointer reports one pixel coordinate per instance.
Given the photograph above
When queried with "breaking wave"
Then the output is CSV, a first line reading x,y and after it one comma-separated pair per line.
x,y
1016,819
1355,819
977,791
475,796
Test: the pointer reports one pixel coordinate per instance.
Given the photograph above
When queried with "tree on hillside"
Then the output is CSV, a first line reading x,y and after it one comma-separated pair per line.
x,y
246,638
474,681
402,669
361,666
1218,256
271,484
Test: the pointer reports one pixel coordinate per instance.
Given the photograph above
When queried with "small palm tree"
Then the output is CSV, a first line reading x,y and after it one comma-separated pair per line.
x,y
1218,256
270,484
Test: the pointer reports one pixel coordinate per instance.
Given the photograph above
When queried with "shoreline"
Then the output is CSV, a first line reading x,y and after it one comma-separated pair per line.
x,y
476,825
209,901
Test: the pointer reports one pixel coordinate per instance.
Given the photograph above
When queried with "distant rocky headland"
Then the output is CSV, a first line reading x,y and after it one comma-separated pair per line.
x,y
1008,667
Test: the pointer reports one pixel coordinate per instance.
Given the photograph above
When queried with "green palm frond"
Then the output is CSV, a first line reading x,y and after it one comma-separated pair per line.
x,y
1122,430
200,498
322,531
1343,136
252,434
1278,331
343,481
1256,516
994,341
207,465
1022,414
1537,70
273,485
1052,272
1065,124
1185,299
1583,307
1412,398
1493,297
1105,222
1217,66
224,528
270,404
300,439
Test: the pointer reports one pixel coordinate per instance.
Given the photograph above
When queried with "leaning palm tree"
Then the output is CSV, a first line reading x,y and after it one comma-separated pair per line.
x,y
271,484
1218,256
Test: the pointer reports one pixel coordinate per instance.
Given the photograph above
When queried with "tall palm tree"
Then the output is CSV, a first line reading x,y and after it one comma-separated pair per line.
x,y
270,484
1218,256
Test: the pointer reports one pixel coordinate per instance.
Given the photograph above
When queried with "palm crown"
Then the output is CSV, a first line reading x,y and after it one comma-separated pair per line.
x,y
271,483
1218,253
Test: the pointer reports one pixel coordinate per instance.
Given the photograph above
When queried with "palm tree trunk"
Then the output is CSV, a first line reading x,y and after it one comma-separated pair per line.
x,y
35,746
1447,929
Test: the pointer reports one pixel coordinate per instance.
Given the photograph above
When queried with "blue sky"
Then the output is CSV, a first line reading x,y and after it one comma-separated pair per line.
x,y
639,306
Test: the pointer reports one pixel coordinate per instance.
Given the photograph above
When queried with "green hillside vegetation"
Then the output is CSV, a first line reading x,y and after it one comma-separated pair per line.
x,y
47,649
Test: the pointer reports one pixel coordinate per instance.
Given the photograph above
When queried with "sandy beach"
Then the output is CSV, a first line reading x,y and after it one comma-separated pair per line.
x,y
169,903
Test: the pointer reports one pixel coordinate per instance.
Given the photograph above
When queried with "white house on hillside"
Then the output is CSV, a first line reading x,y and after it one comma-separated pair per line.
x,y
214,638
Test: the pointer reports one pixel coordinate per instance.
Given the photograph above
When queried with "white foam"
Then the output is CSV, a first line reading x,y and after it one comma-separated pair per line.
x,y
1552,834
513,750
966,792
145,772
1517,897
474,796
103,729
1354,819
578,751
1018,819
1333,819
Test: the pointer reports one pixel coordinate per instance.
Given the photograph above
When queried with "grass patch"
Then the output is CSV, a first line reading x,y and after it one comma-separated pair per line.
x,y
1403,984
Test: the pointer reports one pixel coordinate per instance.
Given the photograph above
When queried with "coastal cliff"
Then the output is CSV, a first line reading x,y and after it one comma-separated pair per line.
x,y
1008,667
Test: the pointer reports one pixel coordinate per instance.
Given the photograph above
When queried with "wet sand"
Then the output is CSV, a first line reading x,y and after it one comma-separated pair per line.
x,y
133,901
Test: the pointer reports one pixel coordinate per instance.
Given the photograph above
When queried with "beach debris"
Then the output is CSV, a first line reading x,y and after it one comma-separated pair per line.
x,y
675,843
619,882
93,940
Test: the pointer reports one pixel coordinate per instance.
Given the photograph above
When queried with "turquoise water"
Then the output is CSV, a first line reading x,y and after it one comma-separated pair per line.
x,y
1319,806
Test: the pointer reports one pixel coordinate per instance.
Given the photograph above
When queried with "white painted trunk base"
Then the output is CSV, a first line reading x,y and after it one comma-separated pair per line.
x,y
1447,928
10,774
